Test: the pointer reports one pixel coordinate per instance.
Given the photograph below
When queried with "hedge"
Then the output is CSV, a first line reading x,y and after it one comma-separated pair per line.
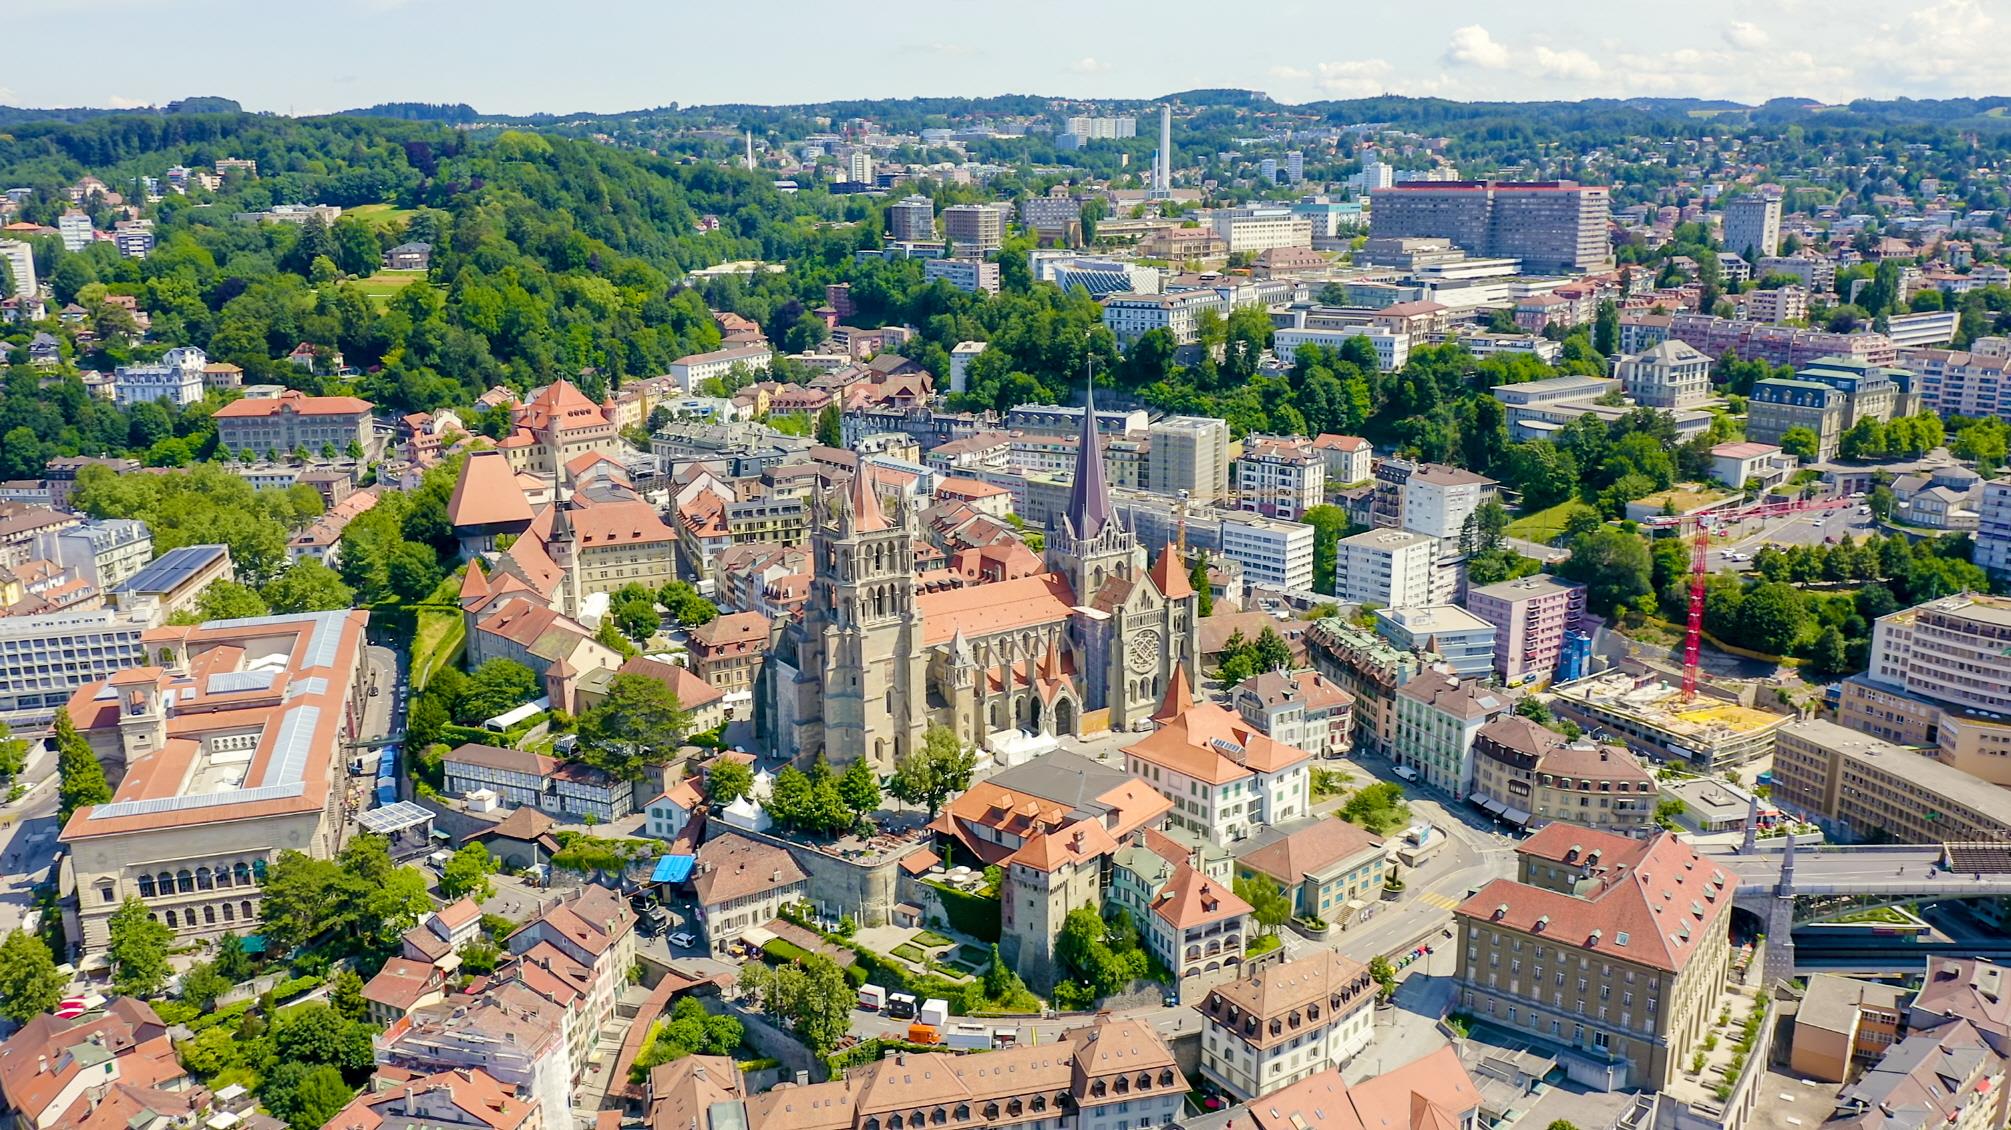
x,y
294,986
781,950
970,914
224,1014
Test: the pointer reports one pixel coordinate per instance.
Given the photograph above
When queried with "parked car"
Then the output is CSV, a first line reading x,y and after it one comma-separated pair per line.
x,y
683,940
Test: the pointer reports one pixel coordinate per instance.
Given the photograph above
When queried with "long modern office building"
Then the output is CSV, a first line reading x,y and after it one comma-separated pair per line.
x,y
1554,226
44,659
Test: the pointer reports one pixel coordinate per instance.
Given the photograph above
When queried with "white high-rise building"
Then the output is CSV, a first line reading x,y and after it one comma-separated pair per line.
x,y
1267,170
1295,166
76,230
1375,174
1392,568
20,260
860,166
1090,128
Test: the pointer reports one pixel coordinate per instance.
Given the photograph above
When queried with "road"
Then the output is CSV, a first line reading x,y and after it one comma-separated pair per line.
x,y
1808,528
28,837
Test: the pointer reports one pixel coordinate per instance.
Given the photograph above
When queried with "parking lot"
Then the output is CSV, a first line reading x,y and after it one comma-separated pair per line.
x,y
1809,528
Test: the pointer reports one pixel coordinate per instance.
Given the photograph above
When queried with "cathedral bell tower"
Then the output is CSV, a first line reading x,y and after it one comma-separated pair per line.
x,y
875,678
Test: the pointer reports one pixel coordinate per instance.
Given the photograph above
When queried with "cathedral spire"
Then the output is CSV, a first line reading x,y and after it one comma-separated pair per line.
x,y
867,517
1089,503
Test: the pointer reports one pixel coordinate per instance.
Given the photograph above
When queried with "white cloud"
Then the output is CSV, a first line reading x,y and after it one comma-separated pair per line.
x,y
119,102
952,50
1290,73
1473,46
1355,78
6,94
1746,36
1088,65
1570,63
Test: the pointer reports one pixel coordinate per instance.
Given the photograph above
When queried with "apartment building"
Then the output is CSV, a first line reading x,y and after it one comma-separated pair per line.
x,y
1751,340
1132,316
104,1069
1225,778
1283,1023
691,371
1189,453
294,421
1368,667
1305,709
1350,459
1815,273
1556,227
177,378
1280,476
20,260
1272,552
740,883
973,228
1752,225
513,1034
1530,776
1531,617
587,939
104,551
911,219
1993,528
1106,1075
1438,718
1780,305
1955,651
1971,382
232,748
1331,869
1193,923
1464,642
1391,568
972,276
1671,375
1392,348
1438,499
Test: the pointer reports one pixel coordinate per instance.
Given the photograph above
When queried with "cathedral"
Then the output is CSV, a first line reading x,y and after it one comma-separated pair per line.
x,y
1089,645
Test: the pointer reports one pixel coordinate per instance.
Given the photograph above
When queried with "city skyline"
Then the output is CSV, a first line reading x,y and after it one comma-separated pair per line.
x,y
372,51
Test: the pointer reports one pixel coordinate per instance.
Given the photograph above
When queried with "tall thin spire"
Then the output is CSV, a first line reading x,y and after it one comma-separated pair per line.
x,y
1089,502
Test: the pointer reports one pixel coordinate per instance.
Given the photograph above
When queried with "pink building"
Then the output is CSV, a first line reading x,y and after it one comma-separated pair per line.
x,y
1530,616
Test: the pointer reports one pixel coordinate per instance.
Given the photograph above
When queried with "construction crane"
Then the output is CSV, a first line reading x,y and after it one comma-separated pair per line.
x,y
1693,640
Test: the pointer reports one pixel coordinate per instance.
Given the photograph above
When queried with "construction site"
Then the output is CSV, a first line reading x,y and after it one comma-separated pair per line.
x,y
1710,731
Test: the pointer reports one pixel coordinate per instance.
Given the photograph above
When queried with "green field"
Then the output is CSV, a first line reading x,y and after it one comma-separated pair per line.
x,y
379,288
1545,526
381,215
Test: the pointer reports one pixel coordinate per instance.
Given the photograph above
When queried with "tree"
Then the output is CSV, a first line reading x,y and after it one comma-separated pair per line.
x,y
809,995
202,985
466,875
138,950
345,994
1380,808
1606,329
860,788
1204,593
304,1095
727,780
637,620
1329,523
1269,904
29,983
1614,567
640,724
308,586
831,426
498,686
13,753
231,962
1983,442
1772,618
1385,976
1831,654
226,600
1667,811
1882,501
81,777
1801,443
931,775
412,571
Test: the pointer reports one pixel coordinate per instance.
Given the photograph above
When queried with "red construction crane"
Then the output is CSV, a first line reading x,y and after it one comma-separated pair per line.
x,y
1693,641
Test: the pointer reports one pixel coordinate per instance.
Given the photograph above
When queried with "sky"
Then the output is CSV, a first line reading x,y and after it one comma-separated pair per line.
x,y
524,56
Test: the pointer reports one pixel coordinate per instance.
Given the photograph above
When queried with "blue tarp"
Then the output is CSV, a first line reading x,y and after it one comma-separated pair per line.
x,y
387,794
387,762
673,869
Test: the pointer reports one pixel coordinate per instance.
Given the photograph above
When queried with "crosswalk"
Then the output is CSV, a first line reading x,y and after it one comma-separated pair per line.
x,y
1433,898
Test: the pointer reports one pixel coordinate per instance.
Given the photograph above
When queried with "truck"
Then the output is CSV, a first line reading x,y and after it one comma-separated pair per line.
x,y
968,1037
935,1011
919,1033
901,1006
872,998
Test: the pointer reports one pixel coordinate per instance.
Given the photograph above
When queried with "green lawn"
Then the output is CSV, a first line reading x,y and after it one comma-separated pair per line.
x,y
1545,526
908,951
379,288
931,939
380,215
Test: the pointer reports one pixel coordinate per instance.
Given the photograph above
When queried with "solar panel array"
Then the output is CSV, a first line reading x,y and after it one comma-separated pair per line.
x,y
195,801
233,682
172,568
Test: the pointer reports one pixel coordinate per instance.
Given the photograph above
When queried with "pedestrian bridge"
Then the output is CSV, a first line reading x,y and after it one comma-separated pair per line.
x,y
1898,872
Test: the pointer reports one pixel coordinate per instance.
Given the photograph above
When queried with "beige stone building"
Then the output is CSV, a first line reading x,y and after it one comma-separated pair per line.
x,y
1860,787
1531,776
1282,1023
1610,949
225,754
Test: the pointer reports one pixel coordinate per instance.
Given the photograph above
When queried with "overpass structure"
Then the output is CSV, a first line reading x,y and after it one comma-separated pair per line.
x,y
1771,881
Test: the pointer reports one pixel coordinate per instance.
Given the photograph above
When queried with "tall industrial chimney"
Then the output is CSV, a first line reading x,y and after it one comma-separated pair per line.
x,y
1162,171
